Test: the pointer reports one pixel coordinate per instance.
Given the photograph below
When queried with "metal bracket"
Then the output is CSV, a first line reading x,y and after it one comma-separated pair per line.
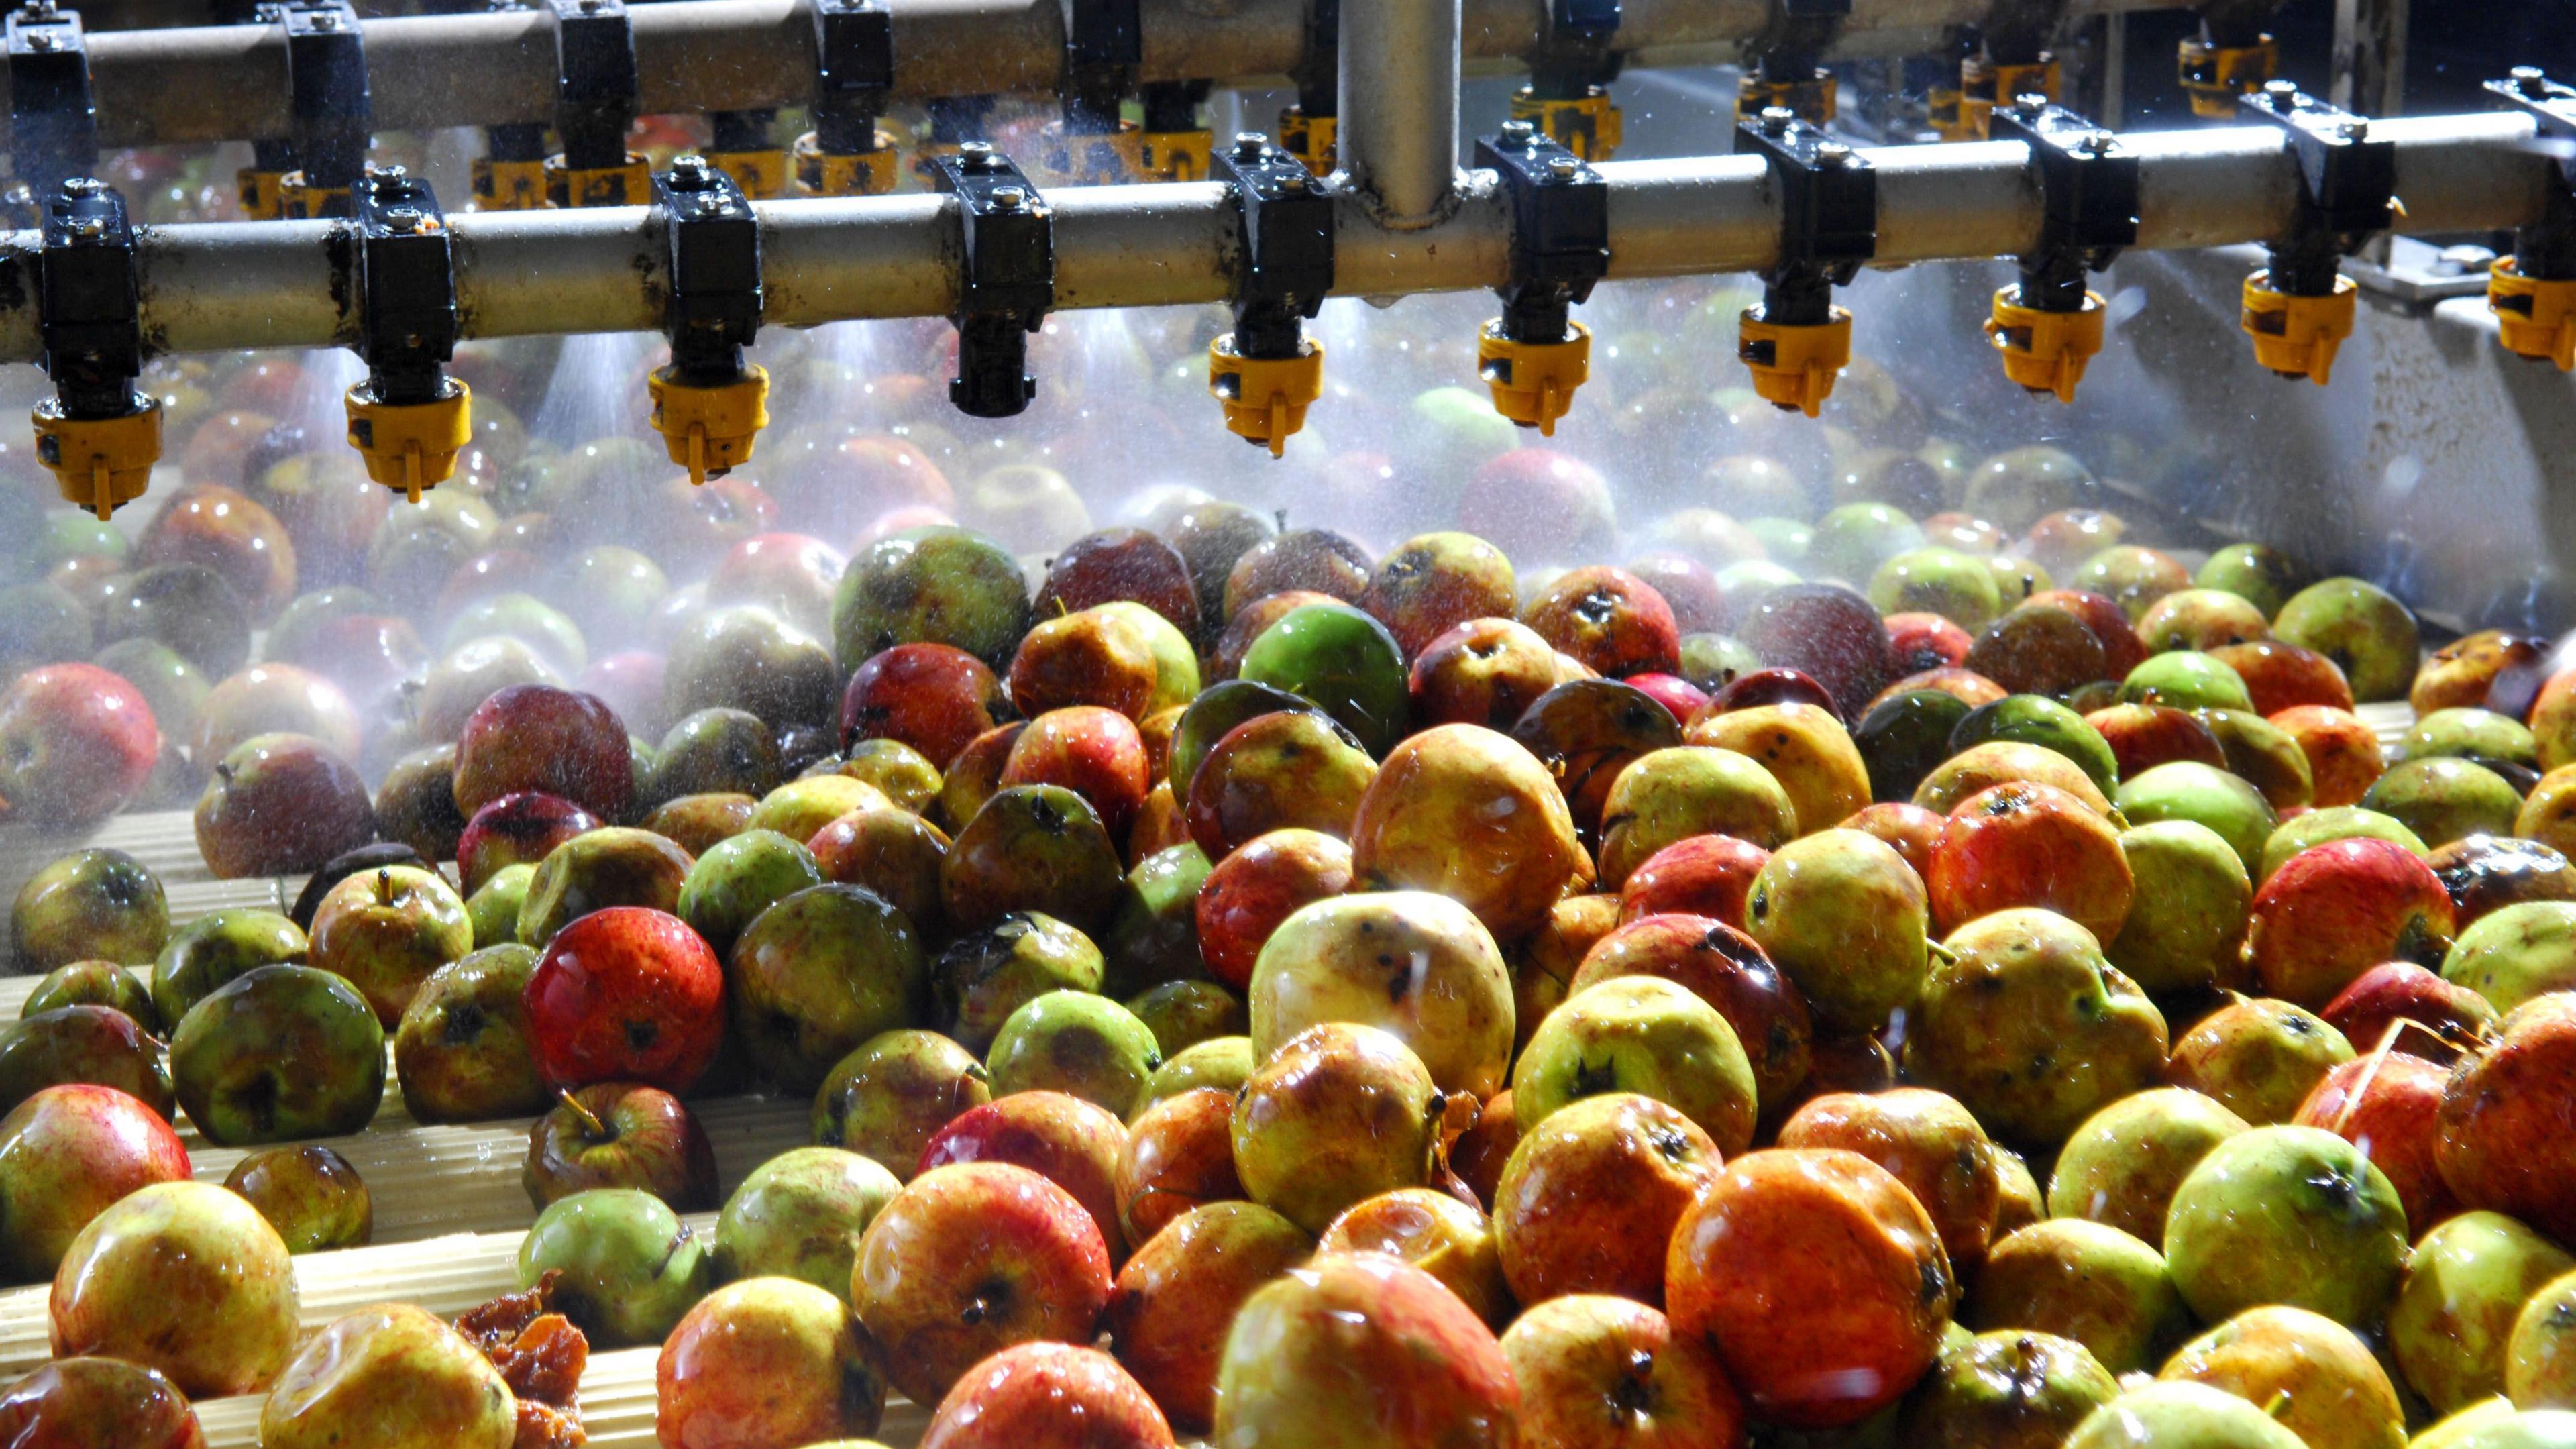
x,y
1172,106
2547,248
326,77
407,320
88,300
1560,229
854,73
1828,214
1104,45
2347,185
1287,265
2088,188
1005,278
713,308
595,81
53,121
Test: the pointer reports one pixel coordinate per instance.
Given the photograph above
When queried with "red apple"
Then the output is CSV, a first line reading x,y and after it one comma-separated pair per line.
x,y
1931,1143
76,744
626,994
1598,1372
1725,968
1096,753
520,829
2282,676
2028,844
97,1403
539,737
1179,1156
1683,698
970,1259
2143,736
620,1134
2393,990
1166,1319
1047,1396
2508,1121
1484,672
2390,1106
1259,885
1909,829
1062,1138
1819,1280
66,1153
1926,641
2333,911
933,697
225,531
1704,875
1588,1199
281,805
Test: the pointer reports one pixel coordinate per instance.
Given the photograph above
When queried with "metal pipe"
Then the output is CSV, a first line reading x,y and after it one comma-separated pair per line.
x,y
200,84
273,284
1398,139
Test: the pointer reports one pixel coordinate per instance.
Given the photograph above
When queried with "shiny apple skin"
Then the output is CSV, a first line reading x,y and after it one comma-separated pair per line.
x,y
1047,1396
183,1277
767,1363
67,1154
1603,1372
1167,1312
969,1259
1819,1280
1062,1138
394,1377
626,994
1589,1198
97,1403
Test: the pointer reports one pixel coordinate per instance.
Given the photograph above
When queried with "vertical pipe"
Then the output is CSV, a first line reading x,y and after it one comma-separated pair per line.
x,y
1399,125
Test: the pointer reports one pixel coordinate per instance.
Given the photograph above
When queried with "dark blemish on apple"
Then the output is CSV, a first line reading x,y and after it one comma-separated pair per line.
x,y
1673,1145
640,1035
464,1024
1592,1081
1934,1280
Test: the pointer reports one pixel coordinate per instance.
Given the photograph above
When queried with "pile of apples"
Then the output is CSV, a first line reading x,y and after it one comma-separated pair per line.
x,y
1875,980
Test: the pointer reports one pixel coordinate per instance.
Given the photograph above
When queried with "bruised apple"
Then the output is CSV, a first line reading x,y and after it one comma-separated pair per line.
x,y
1363,1348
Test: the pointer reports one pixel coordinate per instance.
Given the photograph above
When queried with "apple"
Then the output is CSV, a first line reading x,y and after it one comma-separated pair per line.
x,y
2028,844
1278,770
1471,814
184,1278
277,1054
95,1044
2335,910
95,904
520,829
1597,1371
2180,1413
2026,1024
800,1215
2454,1317
933,697
1727,971
1703,875
1223,1062
614,865
1075,1042
1045,1395
2380,997
1667,796
93,983
2539,1371
1485,671
215,948
2312,1373
310,1194
629,1268
819,973
1433,1230
1031,847
969,1259
2008,1389
395,1376
767,1361
1063,1139
626,994
416,803
1843,917
76,744
2188,908
279,805
2387,1106
1848,1271
227,532
186,606
1181,1014
2121,1167
1588,1197
466,676
1178,1156
618,1134
268,699
1417,965
1640,1034
539,737
386,931
2287,1215
1362,1340
2504,1143
2258,1056
1338,1113
714,751
752,659
1929,1142
697,822
67,1153
1183,1282
887,1098
98,1403
2084,1281
462,1051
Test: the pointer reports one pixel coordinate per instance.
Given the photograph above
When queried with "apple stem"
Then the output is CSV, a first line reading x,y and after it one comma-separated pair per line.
x,y
385,886
591,1126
